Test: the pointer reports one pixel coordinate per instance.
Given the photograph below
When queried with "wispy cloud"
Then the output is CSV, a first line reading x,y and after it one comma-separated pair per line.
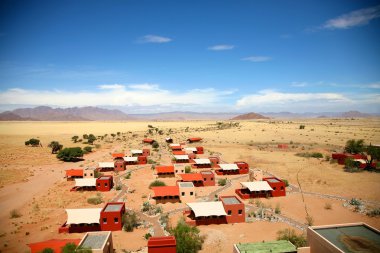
x,y
271,97
355,18
257,58
299,84
117,95
221,47
154,39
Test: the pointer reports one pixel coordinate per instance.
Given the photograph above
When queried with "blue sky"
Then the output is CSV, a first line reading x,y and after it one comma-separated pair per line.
x,y
206,56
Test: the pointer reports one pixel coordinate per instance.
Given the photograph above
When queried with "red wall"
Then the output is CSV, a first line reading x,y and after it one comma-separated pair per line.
x,y
208,179
278,188
142,160
78,229
243,167
200,150
245,194
204,221
119,165
202,165
104,185
214,161
111,225
166,244
234,217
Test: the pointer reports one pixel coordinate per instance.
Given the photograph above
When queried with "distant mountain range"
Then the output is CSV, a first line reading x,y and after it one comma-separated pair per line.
x,y
45,113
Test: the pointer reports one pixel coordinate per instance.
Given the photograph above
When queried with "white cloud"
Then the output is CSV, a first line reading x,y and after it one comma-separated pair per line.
x,y
221,47
257,58
111,86
299,84
154,39
355,18
374,86
270,97
117,95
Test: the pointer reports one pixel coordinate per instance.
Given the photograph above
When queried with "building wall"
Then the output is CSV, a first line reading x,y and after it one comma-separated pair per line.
x,y
227,172
161,200
182,161
161,245
185,194
120,165
278,188
243,167
208,179
112,221
202,166
82,228
200,150
166,174
214,161
245,194
88,173
234,209
142,160
104,185
146,152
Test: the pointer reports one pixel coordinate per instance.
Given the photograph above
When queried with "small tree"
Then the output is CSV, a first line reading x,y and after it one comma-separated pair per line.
x,y
374,153
354,146
85,136
155,144
222,181
69,248
91,138
70,154
187,237
75,138
47,250
87,149
187,169
55,147
33,142
156,183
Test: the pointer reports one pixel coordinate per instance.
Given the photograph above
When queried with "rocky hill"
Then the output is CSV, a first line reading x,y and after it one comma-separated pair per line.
x,y
249,116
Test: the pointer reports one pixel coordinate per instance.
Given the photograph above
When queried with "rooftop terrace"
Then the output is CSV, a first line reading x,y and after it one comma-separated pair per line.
x,y
280,246
230,200
113,207
94,240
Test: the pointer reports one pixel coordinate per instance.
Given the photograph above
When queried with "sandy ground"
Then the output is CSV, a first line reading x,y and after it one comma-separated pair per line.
x,y
32,182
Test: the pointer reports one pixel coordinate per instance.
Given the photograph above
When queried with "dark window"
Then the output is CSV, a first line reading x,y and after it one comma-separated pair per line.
x,y
104,220
229,212
274,188
116,220
212,179
105,184
191,193
205,179
282,187
183,193
99,184
240,211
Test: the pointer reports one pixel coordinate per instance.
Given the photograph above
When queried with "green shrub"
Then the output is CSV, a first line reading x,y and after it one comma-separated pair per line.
x,y
155,144
47,250
188,237
290,235
147,236
128,175
32,142
96,200
355,202
187,169
308,155
156,183
222,181
70,154
286,182
87,149
119,187
277,210
374,212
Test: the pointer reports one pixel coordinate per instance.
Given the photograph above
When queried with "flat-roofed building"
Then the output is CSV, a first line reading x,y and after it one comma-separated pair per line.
x,y
166,194
181,158
227,169
234,208
179,168
84,184
106,166
277,185
256,189
186,191
162,244
339,238
202,163
104,183
281,246
203,178
111,216
194,139
148,140
214,161
205,213
98,242
81,220
89,172
55,244
175,147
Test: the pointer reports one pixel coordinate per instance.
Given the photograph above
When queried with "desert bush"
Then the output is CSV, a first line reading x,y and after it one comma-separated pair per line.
x,y
55,147
47,250
15,214
75,138
95,200
302,127
87,149
286,182
150,161
32,142
374,212
355,202
156,183
70,154
308,155
309,220
118,187
155,144
147,236
328,206
130,221
128,175
222,181
277,210
290,235
187,169
350,165
354,146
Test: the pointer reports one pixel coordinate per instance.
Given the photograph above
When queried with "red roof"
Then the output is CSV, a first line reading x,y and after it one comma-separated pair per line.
x,y
179,153
54,244
165,169
190,177
147,140
74,173
118,155
194,139
161,241
162,191
176,147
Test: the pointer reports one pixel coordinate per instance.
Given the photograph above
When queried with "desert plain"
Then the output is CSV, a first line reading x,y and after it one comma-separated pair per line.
x,y
33,183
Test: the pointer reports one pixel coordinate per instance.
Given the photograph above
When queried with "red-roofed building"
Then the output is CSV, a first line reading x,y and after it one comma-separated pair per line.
x,y
165,171
282,146
55,244
120,164
214,161
147,140
111,216
194,139
165,194
74,173
203,178
118,155
243,167
142,159
341,157
146,152
180,152
176,147
200,150
164,244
